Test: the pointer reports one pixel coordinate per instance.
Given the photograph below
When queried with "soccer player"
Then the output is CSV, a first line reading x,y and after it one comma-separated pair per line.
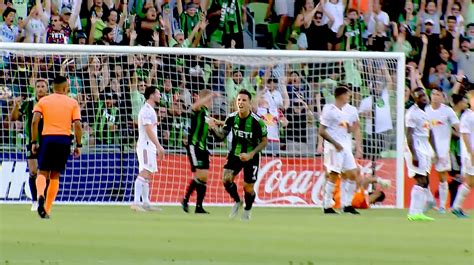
x,y
467,157
148,149
419,154
337,122
443,120
59,113
249,138
26,111
197,149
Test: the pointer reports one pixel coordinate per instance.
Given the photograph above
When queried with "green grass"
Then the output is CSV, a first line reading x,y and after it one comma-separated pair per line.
x,y
115,235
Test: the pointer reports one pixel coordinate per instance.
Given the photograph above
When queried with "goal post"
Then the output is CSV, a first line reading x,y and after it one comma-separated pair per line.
x,y
290,89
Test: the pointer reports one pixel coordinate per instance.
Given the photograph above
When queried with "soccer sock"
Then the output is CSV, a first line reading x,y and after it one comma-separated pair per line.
x,y
201,188
418,200
32,182
463,191
146,191
138,190
350,190
443,194
328,194
191,187
53,189
429,195
40,185
343,193
231,188
249,199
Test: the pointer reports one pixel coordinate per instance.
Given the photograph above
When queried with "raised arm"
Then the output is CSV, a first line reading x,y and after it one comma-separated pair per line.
x,y
179,6
424,50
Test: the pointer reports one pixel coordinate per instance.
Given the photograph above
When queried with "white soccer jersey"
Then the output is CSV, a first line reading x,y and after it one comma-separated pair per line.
x,y
418,119
146,116
467,126
338,122
441,122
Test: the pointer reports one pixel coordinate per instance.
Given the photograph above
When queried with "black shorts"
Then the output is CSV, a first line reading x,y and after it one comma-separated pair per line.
x,y
54,153
198,158
29,154
250,167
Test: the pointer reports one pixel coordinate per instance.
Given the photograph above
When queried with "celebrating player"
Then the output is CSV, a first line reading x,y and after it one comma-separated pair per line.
x,y
337,122
148,148
467,157
197,149
26,111
419,154
59,112
249,138
443,119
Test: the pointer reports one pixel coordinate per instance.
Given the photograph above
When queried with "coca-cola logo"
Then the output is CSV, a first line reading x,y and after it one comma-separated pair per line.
x,y
278,183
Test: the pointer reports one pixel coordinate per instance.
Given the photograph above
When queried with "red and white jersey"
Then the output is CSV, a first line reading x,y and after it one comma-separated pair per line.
x,y
442,120
338,122
467,126
418,119
147,116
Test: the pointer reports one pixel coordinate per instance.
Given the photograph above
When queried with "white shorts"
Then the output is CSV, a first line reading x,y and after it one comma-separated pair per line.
x,y
338,162
467,166
146,160
444,158
424,164
285,8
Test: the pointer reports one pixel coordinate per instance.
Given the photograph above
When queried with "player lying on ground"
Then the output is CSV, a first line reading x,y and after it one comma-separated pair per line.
x,y
198,154
249,137
59,112
148,149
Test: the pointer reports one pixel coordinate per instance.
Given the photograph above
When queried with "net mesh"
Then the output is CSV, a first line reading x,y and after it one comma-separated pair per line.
x,y
289,95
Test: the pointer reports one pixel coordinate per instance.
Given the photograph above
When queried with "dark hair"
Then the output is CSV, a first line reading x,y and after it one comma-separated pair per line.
x,y
272,80
58,80
350,10
470,25
418,89
381,197
318,13
457,98
452,18
245,92
41,80
458,4
7,11
150,90
437,88
340,90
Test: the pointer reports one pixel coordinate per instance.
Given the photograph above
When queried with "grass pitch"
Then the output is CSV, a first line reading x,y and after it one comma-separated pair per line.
x,y
291,236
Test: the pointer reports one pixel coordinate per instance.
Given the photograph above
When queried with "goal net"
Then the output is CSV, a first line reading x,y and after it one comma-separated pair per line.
x,y
290,89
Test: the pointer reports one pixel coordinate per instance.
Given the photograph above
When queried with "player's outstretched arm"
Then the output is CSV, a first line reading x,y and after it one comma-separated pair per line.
x,y
324,133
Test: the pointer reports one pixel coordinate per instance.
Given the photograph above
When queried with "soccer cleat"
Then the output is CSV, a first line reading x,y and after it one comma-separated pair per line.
x,y
441,210
246,215
350,209
137,208
185,206
429,205
34,206
200,210
41,211
459,213
330,211
419,217
235,209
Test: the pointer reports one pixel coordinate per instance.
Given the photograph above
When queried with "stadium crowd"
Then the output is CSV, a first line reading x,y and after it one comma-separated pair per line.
x,y
436,36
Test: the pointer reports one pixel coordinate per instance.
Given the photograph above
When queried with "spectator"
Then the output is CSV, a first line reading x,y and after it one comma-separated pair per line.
x,y
300,132
232,18
285,11
455,9
447,33
189,19
318,35
61,27
334,10
236,80
379,42
9,32
432,12
116,22
462,54
274,120
36,23
297,88
352,32
409,18
107,120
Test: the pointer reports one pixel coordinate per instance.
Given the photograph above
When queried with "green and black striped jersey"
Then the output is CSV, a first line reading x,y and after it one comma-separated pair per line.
x,y
26,111
247,132
199,128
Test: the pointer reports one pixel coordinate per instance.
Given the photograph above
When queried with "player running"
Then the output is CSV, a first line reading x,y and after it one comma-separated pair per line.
x,y
443,120
148,149
198,154
26,111
249,137
419,154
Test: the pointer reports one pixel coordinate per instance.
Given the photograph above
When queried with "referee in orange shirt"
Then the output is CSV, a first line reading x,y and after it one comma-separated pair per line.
x,y
59,112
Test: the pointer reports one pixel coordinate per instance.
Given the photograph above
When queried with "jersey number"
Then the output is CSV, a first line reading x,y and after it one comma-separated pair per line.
x,y
255,171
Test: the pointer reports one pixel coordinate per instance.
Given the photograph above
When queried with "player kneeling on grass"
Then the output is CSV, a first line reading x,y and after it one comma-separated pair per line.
x,y
249,137
59,113
148,149
419,154
336,128
467,156
197,149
